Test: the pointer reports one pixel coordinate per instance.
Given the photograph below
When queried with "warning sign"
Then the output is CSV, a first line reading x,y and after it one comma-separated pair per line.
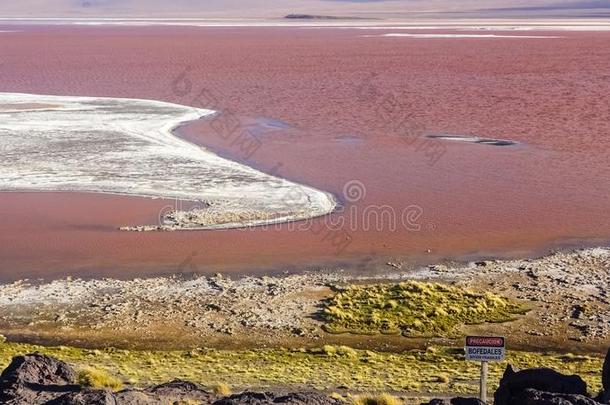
x,y
484,348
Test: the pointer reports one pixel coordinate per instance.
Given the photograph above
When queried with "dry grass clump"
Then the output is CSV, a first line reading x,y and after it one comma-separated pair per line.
x,y
414,309
97,378
222,389
381,399
442,378
339,351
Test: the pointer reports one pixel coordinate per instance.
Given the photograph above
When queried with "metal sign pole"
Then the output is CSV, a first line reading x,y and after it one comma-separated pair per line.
x,y
483,387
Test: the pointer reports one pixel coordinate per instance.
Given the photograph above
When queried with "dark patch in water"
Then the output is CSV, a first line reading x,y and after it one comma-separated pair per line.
x,y
262,126
496,142
474,139
273,123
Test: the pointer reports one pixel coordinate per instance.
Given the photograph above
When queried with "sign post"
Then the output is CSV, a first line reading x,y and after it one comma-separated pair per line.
x,y
484,349
483,382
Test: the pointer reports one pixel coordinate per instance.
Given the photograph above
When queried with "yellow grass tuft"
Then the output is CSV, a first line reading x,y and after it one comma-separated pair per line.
x,y
381,399
98,378
222,389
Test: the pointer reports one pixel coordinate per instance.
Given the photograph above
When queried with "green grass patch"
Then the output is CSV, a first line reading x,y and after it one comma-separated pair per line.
x,y
413,309
331,368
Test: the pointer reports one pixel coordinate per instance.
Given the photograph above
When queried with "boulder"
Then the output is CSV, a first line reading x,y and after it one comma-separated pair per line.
x,y
260,398
456,401
86,397
531,396
247,398
35,379
306,398
175,391
38,369
541,379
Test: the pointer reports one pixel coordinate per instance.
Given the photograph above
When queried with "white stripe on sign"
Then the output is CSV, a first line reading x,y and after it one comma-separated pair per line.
x,y
481,353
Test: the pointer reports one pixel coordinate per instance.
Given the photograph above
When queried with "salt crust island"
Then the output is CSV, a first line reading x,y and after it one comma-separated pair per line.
x,y
127,146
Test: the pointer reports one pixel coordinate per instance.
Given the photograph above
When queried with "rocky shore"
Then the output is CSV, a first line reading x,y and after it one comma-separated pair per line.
x,y
190,310
566,293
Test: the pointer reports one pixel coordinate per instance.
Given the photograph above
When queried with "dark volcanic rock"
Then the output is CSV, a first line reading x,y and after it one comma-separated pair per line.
x,y
35,379
456,401
514,383
259,398
306,398
39,369
168,393
534,397
178,390
87,397
247,398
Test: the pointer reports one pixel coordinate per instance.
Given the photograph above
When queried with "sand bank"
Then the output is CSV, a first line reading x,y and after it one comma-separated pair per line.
x,y
126,146
457,36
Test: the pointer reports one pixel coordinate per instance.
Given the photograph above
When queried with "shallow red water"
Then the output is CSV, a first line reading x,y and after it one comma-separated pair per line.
x,y
345,96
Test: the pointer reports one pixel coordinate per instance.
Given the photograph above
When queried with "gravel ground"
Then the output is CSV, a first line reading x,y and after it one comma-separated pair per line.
x,y
568,294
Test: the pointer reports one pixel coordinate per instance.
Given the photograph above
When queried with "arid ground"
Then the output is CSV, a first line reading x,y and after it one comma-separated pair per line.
x,y
324,330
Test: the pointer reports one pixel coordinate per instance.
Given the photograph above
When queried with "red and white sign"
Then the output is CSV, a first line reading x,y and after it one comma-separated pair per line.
x,y
485,348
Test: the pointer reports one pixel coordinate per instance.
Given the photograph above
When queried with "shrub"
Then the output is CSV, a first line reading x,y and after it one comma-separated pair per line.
x,y
222,389
346,352
381,399
97,378
329,350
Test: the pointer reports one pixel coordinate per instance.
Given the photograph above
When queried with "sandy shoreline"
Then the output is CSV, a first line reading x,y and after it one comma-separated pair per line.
x,y
387,22
128,146
567,293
